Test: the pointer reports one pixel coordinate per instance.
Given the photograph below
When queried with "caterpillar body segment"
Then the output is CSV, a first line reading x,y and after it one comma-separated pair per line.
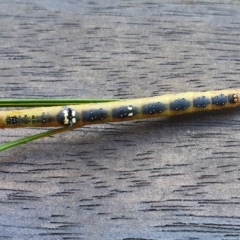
x,y
125,110
35,117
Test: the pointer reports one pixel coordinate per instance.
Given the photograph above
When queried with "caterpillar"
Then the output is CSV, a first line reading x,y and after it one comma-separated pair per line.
x,y
124,110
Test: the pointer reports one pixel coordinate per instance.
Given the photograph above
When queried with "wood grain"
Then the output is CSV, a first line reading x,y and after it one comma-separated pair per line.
x,y
170,178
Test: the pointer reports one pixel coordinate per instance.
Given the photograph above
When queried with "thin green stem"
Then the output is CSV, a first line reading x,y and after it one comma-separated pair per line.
x,y
33,137
49,102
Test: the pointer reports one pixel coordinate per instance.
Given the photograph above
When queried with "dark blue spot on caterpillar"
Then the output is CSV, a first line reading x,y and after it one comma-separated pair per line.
x,y
26,119
33,119
201,102
219,100
12,120
179,104
124,112
94,115
152,108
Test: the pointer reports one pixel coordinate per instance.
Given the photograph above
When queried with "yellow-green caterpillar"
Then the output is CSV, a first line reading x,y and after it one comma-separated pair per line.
x,y
125,110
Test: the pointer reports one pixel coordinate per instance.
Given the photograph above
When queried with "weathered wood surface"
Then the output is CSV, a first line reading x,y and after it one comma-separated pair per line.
x,y
170,178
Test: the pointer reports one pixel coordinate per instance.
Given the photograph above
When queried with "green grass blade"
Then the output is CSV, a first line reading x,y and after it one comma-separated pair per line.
x,y
33,137
49,102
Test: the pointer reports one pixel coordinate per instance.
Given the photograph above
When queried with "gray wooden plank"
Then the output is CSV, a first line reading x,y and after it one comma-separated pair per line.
x,y
168,178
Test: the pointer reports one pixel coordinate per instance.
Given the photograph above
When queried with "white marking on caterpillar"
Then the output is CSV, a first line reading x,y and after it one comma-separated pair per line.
x,y
69,117
65,114
74,120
